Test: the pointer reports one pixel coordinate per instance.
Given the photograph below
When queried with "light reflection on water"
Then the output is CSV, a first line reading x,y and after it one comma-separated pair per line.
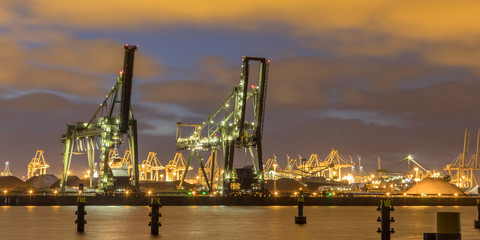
x,y
222,222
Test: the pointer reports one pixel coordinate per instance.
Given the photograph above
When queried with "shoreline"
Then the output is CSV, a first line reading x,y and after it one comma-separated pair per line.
x,y
234,201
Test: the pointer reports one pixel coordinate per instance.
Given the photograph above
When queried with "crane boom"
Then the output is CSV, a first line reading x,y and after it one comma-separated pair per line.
x,y
127,76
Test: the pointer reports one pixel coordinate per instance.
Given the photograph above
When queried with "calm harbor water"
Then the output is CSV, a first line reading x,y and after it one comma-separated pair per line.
x,y
221,222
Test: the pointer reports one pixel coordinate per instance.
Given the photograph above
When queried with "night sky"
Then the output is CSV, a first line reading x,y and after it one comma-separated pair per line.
x,y
369,78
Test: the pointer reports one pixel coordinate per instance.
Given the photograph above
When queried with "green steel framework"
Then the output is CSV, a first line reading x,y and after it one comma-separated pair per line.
x,y
232,130
106,131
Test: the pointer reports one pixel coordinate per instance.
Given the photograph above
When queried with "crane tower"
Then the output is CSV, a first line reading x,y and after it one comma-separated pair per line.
x,y
37,164
6,170
232,126
105,131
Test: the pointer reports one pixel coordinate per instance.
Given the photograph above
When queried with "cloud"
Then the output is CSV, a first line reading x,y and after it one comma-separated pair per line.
x,y
367,117
69,66
159,127
419,19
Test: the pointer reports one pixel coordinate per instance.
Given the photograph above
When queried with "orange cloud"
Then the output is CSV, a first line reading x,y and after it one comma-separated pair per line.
x,y
416,19
381,28
71,66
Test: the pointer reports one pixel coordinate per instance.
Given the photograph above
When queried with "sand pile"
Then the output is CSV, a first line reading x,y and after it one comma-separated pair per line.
x,y
286,185
434,186
72,181
42,181
12,183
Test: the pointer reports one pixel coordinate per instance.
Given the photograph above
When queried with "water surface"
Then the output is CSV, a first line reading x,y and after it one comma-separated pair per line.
x,y
222,222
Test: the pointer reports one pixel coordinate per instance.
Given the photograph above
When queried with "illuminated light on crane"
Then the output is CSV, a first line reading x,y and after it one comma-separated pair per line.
x,y
105,131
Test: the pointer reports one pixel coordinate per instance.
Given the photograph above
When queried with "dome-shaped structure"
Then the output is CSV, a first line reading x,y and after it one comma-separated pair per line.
x,y
434,186
72,181
42,181
12,183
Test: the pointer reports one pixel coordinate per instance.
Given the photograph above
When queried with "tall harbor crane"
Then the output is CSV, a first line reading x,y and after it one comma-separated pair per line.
x,y
461,168
232,130
6,170
106,130
39,164
175,168
150,167
271,167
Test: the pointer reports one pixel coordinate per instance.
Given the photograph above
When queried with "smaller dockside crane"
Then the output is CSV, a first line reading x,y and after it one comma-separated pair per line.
x,y
39,164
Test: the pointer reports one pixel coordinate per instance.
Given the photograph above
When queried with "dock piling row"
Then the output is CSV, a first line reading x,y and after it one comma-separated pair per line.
x,y
155,214
80,221
300,219
476,223
385,219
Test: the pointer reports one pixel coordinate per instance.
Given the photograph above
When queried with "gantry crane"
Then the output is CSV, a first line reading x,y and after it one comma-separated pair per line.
x,y
150,167
232,130
337,162
461,168
176,167
39,164
291,169
271,168
6,170
105,130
